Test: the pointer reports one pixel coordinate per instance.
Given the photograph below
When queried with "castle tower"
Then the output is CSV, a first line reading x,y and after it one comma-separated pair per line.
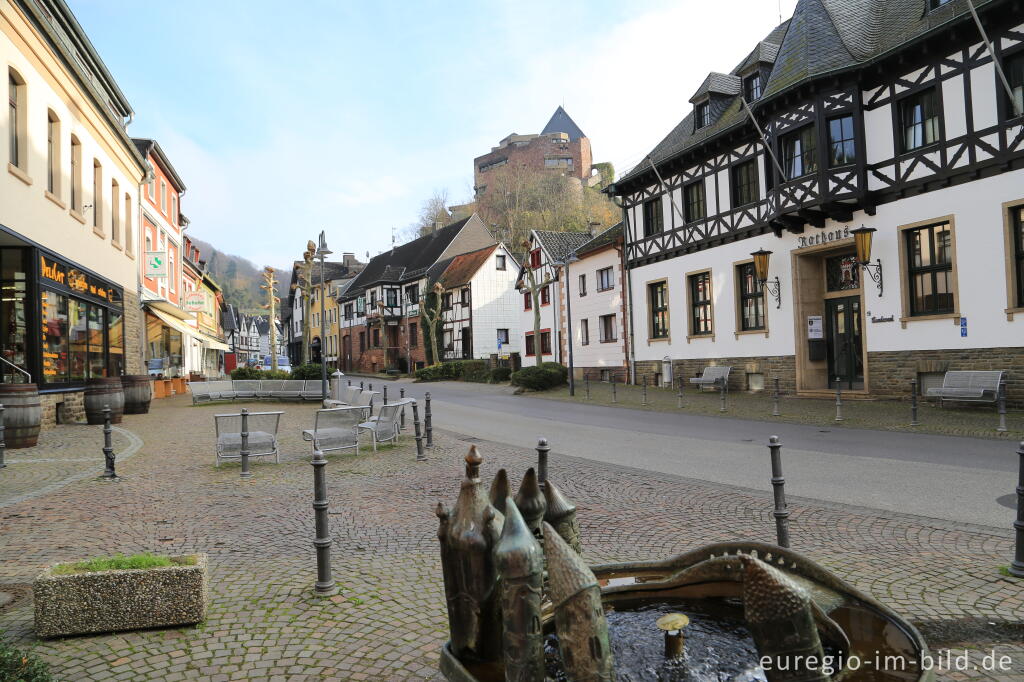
x,y
500,490
520,563
531,503
561,514
468,534
778,613
579,614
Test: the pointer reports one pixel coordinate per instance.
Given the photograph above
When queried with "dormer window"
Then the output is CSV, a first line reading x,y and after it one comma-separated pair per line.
x,y
702,114
752,87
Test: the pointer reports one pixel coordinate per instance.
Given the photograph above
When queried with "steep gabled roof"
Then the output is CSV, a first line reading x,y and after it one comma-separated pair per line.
x,y
561,122
603,239
558,245
460,269
145,146
717,84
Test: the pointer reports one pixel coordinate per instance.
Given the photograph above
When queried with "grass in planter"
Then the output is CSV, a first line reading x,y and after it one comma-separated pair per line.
x,y
121,562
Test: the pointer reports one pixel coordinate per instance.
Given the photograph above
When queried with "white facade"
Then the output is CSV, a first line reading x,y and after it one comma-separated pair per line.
x,y
593,347
492,306
550,318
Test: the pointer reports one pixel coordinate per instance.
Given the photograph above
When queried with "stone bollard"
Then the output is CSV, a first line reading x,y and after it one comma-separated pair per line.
x,y
644,394
108,449
336,384
721,395
3,442
1002,407
781,513
679,397
913,403
325,586
420,457
427,423
244,454
542,460
775,397
614,397
401,395
839,402
1017,565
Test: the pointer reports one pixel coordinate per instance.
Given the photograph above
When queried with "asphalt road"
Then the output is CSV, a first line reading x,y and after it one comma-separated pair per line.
x,y
944,477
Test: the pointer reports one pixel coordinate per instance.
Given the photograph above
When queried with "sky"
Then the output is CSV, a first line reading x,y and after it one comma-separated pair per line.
x,y
285,119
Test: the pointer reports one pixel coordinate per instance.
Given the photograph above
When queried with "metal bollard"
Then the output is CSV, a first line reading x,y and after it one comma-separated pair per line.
x,y
775,397
1017,565
401,395
913,403
349,382
679,397
108,448
1002,407
781,513
385,395
244,454
3,442
420,457
360,386
644,401
370,387
586,380
721,395
427,424
322,542
542,460
614,399
839,403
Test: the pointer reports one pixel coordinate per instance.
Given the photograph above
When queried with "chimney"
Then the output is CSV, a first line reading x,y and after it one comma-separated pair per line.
x,y
437,226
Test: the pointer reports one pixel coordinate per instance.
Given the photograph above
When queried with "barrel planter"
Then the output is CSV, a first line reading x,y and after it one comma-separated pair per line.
x,y
22,414
104,392
138,392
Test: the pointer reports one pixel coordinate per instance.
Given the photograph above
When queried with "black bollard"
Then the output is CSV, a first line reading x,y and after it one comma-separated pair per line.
x,y
644,400
108,448
614,400
3,442
679,397
586,380
244,454
360,386
1017,565
1002,407
401,395
781,514
420,457
322,542
428,426
349,382
385,395
775,397
542,460
370,387
721,395
913,403
839,402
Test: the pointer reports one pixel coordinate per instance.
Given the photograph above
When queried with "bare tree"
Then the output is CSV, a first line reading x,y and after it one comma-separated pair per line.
x,y
431,316
534,286
270,286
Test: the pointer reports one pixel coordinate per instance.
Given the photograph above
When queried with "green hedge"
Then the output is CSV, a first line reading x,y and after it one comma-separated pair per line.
x,y
246,373
548,375
476,371
308,371
500,374
446,371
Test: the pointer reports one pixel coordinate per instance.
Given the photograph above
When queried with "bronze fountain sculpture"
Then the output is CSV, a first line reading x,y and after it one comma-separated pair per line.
x,y
523,605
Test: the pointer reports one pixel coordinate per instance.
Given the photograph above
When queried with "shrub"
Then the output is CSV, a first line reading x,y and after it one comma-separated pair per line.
x,y
475,370
558,368
279,374
241,373
21,665
445,371
307,371
500,374
537,378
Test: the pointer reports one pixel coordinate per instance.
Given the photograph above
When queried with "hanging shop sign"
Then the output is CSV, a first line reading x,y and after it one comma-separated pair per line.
x,y
63,276
823,237
156,264
195,302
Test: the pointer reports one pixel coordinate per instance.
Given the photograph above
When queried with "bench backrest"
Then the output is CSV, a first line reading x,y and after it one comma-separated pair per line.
x,y
220,386
338,418
350,393
313,385
717,372
246,385
365,398
271,385
266,422
987,380
199,387
293,385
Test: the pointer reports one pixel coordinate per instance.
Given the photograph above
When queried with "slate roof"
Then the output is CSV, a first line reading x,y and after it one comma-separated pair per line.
x,y
602,239
561,122
822,37
332,271
456,271
558,245
407,261
145,145
718,84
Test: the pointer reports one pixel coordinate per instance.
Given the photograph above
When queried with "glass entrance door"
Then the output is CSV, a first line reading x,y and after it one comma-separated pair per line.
x,y
845,356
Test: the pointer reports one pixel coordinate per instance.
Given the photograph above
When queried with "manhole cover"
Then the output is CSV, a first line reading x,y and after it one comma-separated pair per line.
x,y
471,439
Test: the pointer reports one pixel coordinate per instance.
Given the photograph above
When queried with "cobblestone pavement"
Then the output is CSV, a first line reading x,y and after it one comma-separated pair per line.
x,y
962,419
389,620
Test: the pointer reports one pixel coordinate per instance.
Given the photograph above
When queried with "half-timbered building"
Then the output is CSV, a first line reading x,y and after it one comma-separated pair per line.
x,y
845,207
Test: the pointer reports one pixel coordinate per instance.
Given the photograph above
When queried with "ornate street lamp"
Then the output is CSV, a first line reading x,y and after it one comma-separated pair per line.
x,y
322,252
862,240
569,259
761,259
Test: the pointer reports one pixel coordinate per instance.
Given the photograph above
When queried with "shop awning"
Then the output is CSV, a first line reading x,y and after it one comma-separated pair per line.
x,y
172,322
168,309
215,344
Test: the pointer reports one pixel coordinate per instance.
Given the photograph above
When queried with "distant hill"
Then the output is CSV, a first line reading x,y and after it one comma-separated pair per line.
x,y
239,278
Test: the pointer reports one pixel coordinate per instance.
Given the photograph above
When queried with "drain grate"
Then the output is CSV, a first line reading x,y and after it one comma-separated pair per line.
x,y
471,439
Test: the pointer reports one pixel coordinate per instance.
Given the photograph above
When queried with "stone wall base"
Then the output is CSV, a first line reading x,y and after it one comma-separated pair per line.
x,y
62,408
748,374
618,374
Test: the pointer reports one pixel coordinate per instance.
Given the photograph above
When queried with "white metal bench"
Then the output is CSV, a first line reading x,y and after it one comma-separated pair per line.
x,y
969,386
335,429
262,439
713,376
384,427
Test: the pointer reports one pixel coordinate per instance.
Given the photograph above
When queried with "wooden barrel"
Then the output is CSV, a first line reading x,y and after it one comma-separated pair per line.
x,y
101,392
138,392
22,414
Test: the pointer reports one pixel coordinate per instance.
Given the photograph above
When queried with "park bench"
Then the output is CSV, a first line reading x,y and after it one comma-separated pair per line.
x,y
713,376
336,428
969,386
385,426
262,439
313,390
245,388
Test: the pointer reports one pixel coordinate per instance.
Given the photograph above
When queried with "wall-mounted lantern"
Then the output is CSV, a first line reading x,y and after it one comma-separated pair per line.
x,y
862,240
761,259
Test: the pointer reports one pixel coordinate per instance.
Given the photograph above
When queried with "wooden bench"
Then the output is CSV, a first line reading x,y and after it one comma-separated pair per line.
x,y
713,376
969,386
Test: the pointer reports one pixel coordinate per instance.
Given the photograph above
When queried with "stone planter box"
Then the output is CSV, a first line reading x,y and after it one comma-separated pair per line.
x,y
108,601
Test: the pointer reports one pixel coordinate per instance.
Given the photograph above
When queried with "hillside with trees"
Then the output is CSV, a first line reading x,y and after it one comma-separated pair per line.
x,y
239,278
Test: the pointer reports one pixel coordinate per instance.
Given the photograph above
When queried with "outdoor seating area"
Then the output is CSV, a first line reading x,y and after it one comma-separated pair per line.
x,y
969,386
261,440
273,389
713,377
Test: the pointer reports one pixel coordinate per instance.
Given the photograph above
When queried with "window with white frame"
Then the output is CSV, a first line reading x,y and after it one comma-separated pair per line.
x,y
605,279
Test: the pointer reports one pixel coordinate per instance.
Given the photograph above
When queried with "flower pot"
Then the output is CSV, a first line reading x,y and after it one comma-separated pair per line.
x,y
111,601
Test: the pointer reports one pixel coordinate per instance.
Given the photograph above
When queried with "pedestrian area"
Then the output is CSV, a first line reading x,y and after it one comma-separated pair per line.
x,y
389,618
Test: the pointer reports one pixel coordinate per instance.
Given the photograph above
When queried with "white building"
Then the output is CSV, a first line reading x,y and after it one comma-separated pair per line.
x,y
479,304
596,302
888,116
